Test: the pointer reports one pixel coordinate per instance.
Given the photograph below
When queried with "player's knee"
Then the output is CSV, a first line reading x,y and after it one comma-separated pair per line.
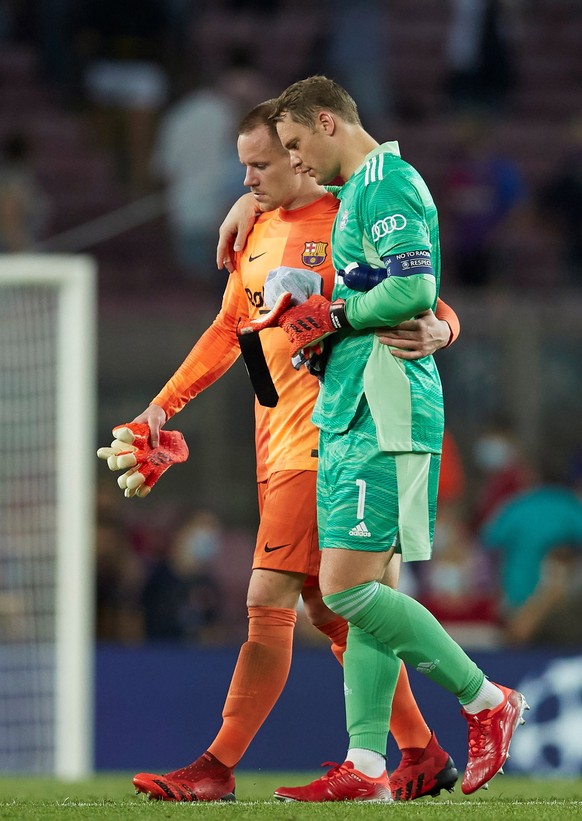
x,y
316,611
270,588
391,574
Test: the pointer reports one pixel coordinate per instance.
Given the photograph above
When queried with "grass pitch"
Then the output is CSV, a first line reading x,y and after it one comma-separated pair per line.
x,y
111,797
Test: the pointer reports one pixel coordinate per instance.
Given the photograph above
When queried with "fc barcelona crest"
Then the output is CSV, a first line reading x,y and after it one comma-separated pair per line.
x,y
314,253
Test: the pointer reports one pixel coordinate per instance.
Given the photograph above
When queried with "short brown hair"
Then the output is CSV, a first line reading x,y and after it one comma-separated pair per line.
x,y
305,98
260,115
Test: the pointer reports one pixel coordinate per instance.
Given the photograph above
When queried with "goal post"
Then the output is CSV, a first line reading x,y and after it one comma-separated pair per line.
x,y
47,513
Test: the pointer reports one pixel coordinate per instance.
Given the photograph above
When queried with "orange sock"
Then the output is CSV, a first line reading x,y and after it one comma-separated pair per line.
x,y
257,682
406,722
337,632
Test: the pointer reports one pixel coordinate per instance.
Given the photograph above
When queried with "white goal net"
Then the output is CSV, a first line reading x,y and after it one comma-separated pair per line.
x,y
47,409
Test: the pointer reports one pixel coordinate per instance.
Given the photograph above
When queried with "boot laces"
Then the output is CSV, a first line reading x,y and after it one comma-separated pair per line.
x,y
478,731
335,769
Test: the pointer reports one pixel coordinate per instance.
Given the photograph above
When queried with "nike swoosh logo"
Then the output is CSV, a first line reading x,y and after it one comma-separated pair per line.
x,y
252,258
278,547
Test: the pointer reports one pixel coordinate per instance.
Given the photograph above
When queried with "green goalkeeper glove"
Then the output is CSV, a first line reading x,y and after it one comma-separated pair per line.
x,y
131,449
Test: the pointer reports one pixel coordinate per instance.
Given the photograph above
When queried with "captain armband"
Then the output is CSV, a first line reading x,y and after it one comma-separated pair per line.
x,y
360,277
408,263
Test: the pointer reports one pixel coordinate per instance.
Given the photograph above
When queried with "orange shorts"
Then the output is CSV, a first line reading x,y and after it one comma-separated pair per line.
x,y
287,536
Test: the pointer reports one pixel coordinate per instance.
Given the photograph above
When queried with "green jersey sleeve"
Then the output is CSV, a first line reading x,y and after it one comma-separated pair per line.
x,y
392,301
393,213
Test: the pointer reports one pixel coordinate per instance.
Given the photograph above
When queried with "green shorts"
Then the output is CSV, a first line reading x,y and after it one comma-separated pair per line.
x,y
371,500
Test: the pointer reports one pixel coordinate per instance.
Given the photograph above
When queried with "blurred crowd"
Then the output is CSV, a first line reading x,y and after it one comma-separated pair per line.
x,y
159,86
156,87
506,567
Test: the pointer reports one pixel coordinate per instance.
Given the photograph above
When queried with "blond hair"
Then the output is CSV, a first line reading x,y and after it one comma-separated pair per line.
x,y
304,99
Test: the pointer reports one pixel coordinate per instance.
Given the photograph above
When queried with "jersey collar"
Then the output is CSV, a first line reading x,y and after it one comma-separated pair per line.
x,y
390,147
318,206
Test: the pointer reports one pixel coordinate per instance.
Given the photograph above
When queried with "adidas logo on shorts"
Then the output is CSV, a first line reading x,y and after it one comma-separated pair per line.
x,y
360,530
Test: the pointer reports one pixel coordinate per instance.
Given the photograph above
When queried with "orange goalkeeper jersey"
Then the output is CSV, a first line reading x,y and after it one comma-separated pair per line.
x,y
285,437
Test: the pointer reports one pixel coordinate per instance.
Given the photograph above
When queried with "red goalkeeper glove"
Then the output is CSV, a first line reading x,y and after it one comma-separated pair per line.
x,y
271,319
305,324
131,449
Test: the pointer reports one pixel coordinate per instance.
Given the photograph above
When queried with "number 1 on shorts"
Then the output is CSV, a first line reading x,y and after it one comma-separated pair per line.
x,y
361,498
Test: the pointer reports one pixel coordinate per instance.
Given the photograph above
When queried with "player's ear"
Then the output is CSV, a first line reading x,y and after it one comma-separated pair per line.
x,y
327,122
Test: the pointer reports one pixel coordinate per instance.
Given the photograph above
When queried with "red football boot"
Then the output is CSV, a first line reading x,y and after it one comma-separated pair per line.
x,y
206,779
490,734
423,772
341,783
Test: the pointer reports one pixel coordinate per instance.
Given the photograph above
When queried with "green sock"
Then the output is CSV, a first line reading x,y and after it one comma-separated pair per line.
x,y
412,633
371,671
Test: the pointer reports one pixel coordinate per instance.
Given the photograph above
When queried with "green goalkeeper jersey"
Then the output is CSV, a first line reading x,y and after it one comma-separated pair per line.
x,y
385,209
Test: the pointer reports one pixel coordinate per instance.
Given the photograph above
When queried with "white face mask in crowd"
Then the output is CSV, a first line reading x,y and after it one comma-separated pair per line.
x,y
494,452
204,544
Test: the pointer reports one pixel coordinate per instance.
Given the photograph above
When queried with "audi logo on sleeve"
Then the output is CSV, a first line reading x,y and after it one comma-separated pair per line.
x,y
385,226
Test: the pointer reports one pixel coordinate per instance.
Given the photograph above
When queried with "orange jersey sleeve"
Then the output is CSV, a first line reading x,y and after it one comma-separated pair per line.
x,y
286,439
211,356
444,311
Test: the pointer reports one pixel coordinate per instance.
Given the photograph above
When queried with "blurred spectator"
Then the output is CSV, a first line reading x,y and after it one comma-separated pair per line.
x,y
123,47
482,194
24,206
195,159
482,70
560,203
452,482
452,486
119,571
355,54
503,467
538,535
182,595
457,585
120,580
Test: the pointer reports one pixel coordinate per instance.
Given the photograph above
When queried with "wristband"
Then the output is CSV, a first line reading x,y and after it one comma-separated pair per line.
x,y
337,314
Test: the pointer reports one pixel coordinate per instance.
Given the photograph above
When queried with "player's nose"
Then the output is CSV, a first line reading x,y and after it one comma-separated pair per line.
x,y
250,178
